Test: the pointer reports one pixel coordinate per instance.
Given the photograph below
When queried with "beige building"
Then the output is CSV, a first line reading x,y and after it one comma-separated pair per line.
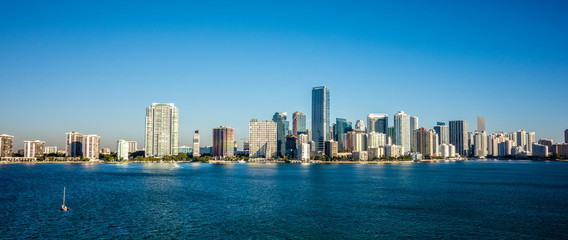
x,y
91,146
423,141
331,148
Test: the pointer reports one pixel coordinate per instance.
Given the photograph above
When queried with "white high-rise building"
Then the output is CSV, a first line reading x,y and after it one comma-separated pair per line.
x,y
33,148
480,144
447,150
377,123
443,134
162,130
196,143
91,146
413,126
530,141
521,138
402,131
304,151
50,149
74,144
6,142
375,140
262,139
122,149
360,125
132,146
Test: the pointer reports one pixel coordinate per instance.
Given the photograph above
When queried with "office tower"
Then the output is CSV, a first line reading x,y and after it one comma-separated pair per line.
x,y
546,142
459,137
391,135
360,125
480,123
309,133
122,150
320,116
331,148
443,134
304,152
566,136
50,150
402,131
530,140
33,149
423,141
377,123
91,146
291,145
162,130
342,126
539,150
6,143
299,123
223,142
262,139
283,130
132,146
74,144
413,126
480,144
196,146
376,140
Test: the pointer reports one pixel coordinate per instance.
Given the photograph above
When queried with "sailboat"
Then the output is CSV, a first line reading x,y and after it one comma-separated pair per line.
x,y
63,207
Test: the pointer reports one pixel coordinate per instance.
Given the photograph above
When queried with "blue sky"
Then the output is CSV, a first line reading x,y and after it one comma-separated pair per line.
x,y
94,66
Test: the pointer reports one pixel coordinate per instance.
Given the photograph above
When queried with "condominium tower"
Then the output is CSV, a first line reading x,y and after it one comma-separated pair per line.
x,y
196,143
262,139
223,142
459,137
299,123
320,116
402,131
377,123
6,142
34,148
162,130
74,144
91,146
122,149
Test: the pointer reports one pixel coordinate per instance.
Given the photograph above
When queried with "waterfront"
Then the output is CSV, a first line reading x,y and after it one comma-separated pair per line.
x,y
469,199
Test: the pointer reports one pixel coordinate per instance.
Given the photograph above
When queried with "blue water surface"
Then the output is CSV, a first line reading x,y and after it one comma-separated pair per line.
x,y
443,200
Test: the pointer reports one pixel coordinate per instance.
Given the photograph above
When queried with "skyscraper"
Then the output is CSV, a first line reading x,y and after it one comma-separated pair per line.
x,y
480,123
360,125
413,126
480,144
424,141
566,136
196,144
162,130
263,139
391,135
402,130
320,116
91,146
122,150
6,143
443,134
299,123
342,126
74,144
223,142
132,146
282,130
377,123
458,136
33,149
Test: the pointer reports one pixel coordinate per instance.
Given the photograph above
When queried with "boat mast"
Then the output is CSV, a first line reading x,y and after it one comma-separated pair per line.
x,y
63,196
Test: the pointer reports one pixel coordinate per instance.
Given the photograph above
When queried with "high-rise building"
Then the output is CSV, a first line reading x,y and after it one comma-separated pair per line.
x,y
377,123
459,137
91,146
299,123
546,142
132,146
560,149
356,141
443,134
402,131
342,126
566,136
423,141
413,126
530,140
480,144
6,143
223,142
392,151
521,138
504,148
320,116
480,123
539,150
360,125
291,145
74,144
376,140
162,130
196,146
122,149
33,149
304,152
282,130
303,138
331,148
50,150
391,135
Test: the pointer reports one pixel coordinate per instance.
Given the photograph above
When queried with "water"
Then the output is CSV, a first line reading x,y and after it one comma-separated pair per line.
x,y
456,200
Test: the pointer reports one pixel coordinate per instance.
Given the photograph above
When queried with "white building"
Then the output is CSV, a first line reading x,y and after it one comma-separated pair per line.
x,y
304,151
74,144
447,150
162,130
413,126
360,125
262,139
402,130
91,146
132,146
443,134
33,148
50,150
480,144
375,140
361,155
196,144
122,149
392,151
539,150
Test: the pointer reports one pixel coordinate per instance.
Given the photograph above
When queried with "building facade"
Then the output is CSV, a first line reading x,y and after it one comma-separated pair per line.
x,y
377,123
299,123
33,148
196,146
423,141
162,130
282,130
263,139
223,142
320,116
91,146
74,144
342,126
413,126
459,137
443,134
331,148
6,143
122,150
402,131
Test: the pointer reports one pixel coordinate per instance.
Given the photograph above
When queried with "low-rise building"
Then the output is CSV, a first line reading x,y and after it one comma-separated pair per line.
x,y
361,155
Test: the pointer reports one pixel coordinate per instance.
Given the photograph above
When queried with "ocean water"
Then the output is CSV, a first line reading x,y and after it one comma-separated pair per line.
x,y
443,200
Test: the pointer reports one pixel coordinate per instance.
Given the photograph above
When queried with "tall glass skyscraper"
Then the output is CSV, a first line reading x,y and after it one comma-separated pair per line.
x,y
342,126
283,130
377,123
320,116
162,130
413,126
299,123
402,130
459,137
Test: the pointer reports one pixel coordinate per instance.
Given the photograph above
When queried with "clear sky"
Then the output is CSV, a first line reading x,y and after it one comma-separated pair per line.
x,y
94,66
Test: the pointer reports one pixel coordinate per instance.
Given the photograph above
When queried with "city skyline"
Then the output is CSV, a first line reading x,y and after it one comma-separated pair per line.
x,y
436,61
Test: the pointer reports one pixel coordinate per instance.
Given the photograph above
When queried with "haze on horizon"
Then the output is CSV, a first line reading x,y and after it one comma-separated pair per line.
x,y
94,67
